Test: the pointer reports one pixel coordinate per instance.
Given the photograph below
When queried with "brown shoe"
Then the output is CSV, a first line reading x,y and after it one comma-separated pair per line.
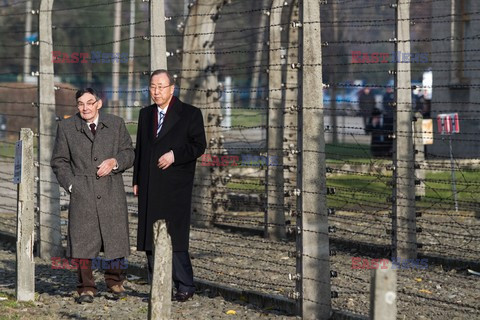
x,y
86,297
118,291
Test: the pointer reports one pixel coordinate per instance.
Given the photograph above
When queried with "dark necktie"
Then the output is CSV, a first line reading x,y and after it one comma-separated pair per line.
x,y
92,128
161,116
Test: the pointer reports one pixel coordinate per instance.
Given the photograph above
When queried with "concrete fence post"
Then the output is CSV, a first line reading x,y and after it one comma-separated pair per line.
x,y
161,290
25,286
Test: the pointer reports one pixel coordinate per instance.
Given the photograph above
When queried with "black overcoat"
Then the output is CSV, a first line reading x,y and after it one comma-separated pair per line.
x,y
167,194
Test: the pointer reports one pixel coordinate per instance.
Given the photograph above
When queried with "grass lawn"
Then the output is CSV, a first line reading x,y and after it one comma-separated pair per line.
x,y
247,117
337,153
368,192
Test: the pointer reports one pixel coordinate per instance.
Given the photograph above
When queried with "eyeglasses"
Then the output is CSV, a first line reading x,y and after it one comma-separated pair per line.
x,y
89,104
160,87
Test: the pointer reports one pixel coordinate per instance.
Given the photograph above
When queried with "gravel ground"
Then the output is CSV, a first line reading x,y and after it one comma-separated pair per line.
x,y
55,299
433,293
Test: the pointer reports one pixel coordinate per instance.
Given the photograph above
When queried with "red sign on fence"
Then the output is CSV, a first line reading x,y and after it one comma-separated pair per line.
x,y
448,123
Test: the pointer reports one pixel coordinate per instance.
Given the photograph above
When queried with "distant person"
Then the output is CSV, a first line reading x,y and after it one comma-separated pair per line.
x,y
91,152
366,102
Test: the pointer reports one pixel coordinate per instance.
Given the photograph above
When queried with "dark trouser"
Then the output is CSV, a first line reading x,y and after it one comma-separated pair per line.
x,y
182,272
114,275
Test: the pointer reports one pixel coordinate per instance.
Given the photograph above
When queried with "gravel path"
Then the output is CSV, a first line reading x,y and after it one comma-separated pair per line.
x,y
56,299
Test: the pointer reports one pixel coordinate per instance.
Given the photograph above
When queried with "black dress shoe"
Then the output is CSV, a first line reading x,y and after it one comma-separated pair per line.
x,y
182,296
85,297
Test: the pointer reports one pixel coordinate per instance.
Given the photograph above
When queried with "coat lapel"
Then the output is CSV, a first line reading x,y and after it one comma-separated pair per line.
x,y
103,122
81,126
173,115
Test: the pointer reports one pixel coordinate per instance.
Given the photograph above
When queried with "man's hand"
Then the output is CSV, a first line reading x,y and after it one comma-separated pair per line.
x,y
135,190
166,160
106,167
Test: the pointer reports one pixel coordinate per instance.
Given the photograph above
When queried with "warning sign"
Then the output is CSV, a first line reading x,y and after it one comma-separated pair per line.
x,y
427,131
448,123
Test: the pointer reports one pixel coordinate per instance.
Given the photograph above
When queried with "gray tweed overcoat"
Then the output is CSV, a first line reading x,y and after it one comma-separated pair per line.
x,y
98,217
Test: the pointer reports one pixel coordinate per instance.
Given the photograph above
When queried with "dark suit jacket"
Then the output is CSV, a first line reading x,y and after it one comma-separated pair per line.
x,y
166,194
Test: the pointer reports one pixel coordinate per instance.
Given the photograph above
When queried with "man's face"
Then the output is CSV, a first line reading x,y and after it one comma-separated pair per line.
x,y
88,106
161,90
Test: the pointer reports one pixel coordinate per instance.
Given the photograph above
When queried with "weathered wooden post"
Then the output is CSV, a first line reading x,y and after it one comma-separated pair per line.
x,y
24,169
383,294
161,290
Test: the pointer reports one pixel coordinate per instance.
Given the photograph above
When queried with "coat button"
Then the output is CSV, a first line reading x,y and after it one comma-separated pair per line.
x,y
99,197
95,159
98,177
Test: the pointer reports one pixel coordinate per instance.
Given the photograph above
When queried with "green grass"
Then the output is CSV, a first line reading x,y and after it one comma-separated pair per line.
x,y
438,185
240,117
132,128
353,189
7,150
246,117
11,309
348,151
253,185
364,191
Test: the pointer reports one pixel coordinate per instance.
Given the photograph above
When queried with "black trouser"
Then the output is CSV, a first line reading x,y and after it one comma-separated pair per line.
x,y
182,272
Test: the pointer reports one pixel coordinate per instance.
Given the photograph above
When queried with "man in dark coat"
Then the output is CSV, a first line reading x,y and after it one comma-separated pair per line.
x,y
91,152
366,102
170,137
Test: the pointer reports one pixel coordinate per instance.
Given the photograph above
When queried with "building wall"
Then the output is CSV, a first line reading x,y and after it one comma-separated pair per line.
x,y
454,90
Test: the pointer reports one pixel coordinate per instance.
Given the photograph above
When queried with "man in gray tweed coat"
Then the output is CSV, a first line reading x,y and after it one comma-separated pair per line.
x,y
91,152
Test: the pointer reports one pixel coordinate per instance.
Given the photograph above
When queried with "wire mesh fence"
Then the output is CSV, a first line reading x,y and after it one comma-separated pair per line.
x,y
245,69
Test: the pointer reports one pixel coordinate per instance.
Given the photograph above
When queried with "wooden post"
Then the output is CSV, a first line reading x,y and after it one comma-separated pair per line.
x,y
161,290
403,223
25,288
48,189
383,294
275,215
158,40
315,260
419,155
199,87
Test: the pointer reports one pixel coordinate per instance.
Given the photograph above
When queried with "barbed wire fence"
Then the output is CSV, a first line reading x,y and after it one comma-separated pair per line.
x,y
233,205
